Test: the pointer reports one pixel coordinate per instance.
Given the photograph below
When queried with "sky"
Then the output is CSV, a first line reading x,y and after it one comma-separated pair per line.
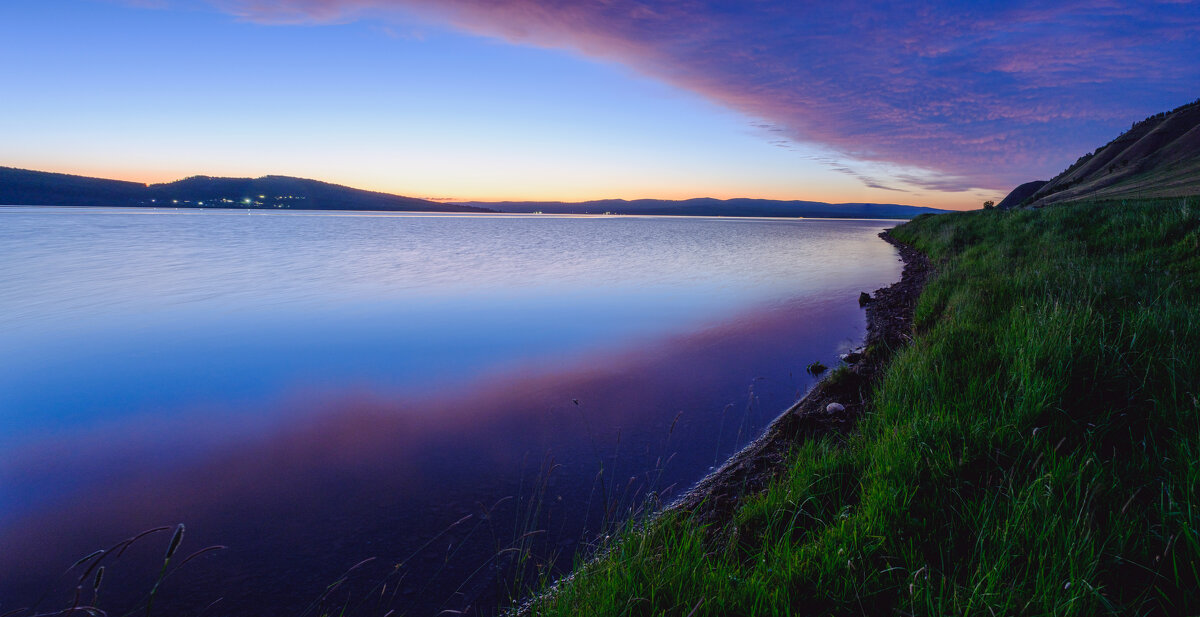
x,y
941,104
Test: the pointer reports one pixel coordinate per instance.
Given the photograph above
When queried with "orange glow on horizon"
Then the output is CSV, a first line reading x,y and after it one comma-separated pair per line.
x,y
950,201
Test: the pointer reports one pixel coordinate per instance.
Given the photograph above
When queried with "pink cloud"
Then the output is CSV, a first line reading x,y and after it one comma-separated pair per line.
x,y
981,96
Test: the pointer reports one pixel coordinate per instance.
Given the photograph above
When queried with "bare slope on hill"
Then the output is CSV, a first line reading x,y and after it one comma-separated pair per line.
x,y
1157,157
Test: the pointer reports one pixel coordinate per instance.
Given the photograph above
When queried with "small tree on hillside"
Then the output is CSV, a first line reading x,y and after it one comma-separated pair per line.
x,y
989,204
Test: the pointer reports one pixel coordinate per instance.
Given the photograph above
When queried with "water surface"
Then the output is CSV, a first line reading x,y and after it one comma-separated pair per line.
x,y
314,389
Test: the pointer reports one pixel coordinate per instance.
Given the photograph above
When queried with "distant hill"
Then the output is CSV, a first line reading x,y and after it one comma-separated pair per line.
x,y
706,206
38,188
1020,194
1157,157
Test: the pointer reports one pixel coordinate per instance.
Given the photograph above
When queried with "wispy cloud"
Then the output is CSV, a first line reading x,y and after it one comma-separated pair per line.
x,y
143,4
980,96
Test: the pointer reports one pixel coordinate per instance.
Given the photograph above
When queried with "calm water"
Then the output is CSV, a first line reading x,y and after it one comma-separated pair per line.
x,y
315,389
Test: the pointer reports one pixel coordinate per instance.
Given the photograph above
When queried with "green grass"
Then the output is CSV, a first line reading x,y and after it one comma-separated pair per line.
x,y
1035,451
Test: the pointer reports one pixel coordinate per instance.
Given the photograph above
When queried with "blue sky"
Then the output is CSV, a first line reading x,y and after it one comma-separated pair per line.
x,y
548,99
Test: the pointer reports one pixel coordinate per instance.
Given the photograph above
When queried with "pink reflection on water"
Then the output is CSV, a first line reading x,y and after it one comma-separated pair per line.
x,y
361,473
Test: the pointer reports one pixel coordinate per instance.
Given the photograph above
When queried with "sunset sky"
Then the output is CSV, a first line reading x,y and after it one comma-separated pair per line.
x,y
940,104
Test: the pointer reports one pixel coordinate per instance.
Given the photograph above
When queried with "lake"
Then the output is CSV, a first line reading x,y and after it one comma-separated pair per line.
x,y
465,401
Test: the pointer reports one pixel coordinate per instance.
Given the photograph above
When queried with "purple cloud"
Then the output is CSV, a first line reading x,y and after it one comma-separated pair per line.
x,y
984,95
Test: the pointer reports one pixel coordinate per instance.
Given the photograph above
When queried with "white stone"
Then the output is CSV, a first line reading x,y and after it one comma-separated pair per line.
x,y
835,408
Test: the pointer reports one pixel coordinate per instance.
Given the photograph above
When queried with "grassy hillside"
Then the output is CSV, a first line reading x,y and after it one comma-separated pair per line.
x,y
1157,157
1035,450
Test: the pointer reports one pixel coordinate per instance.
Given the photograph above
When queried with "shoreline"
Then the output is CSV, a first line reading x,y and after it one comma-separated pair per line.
x,y
715,498
749,471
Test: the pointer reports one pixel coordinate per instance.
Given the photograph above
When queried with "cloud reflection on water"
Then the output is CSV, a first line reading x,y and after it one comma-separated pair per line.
x,y
361,473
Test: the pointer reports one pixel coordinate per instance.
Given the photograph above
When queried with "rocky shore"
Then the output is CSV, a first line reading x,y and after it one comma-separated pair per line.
x,y
831,408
